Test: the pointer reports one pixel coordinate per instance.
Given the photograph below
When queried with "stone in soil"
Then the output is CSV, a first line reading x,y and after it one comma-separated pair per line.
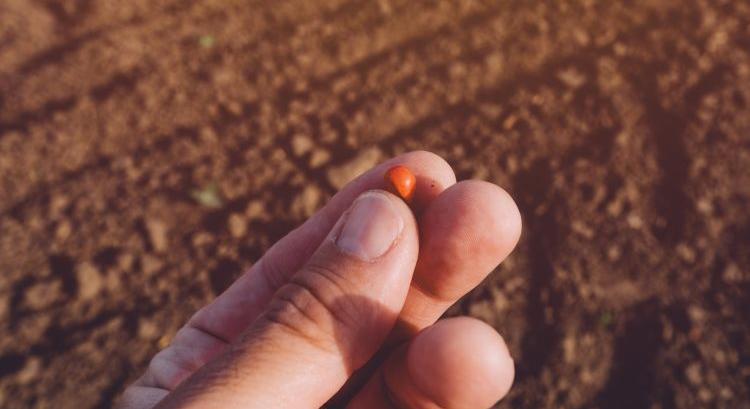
x,y
89,281
237,225
319,157
342,174
301,144
306,203
157,234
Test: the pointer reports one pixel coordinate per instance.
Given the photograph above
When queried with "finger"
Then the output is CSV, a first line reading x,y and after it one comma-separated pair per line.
x,y
466,232
325,323
190,350
141,397
241,303
457,363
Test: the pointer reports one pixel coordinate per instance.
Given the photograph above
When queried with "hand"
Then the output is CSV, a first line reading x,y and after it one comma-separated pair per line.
x,y
362,278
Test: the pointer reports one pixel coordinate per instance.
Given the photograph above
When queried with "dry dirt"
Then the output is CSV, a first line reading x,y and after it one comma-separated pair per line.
x,y
152,150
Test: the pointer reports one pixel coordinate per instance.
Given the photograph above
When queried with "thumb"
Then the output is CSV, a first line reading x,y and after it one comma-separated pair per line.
x,y
325,323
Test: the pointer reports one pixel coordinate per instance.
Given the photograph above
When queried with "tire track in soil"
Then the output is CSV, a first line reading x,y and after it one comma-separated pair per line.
x,y
59,339
56,53
668,128
211,221
539,203
722,292
100,93
417,43
500,91
163,144
54,107
17,209
542,337
80,10
633,382
62,269
103,91
111,392
522,80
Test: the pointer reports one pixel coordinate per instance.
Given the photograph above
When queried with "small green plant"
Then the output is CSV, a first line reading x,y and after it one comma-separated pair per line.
x,y
207,41
208,196
606,319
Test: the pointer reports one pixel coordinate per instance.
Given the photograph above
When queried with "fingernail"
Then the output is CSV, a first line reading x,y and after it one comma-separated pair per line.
x,y
370,227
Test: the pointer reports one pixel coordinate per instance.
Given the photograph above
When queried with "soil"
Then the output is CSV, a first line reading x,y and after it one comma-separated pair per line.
x,y
152,150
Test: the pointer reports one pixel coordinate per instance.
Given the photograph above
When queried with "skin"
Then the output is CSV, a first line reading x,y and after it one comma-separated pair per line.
x,y
302,324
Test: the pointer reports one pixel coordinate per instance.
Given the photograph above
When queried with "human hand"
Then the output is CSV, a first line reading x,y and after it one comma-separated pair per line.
x,y
362,278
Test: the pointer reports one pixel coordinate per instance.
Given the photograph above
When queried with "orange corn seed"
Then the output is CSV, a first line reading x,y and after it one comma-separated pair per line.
x,y
401,182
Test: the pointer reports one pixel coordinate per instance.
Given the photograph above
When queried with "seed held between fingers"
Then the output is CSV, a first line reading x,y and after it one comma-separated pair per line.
x,y
401,182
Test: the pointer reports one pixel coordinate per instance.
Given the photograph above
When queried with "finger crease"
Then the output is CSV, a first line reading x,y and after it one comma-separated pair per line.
x,y
209,333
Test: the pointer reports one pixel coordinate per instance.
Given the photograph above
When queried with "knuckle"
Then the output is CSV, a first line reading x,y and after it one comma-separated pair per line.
x,y
334,291
309,306
272,272
171,366
297,312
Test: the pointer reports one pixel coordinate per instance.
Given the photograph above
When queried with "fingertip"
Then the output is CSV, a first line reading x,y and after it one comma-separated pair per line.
x,y
432,172
428,162
467,231
498,207
456,363
461,362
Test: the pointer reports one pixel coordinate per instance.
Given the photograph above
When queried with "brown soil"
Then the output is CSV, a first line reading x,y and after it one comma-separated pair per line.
x,y
151,150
